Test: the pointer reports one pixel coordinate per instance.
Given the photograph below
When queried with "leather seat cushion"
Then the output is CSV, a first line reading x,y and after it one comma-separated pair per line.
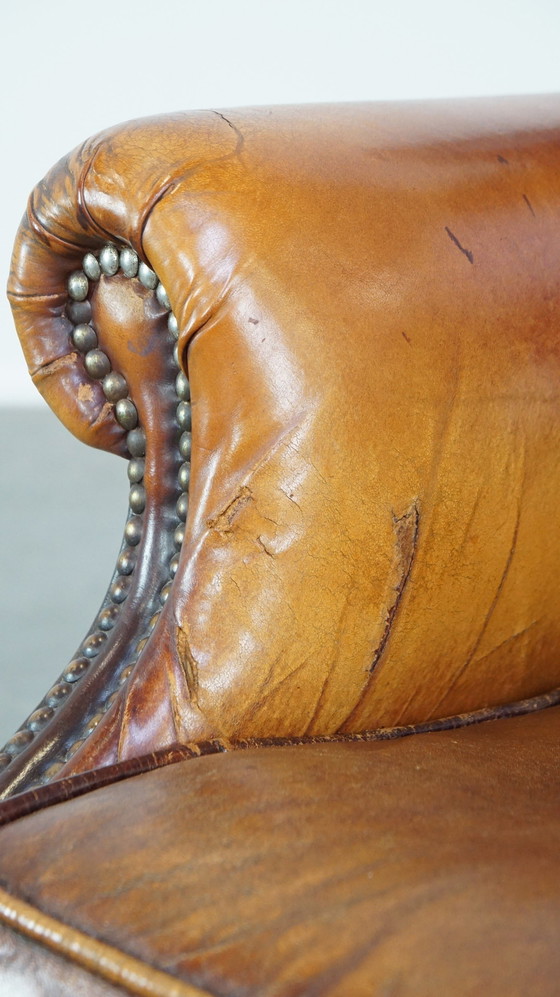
x,y
424,865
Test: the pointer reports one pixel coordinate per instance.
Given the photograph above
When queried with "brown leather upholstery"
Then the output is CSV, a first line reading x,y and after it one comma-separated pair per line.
x,y
427,865
366,300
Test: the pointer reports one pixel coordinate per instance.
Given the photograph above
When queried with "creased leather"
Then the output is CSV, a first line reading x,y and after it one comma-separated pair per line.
x,y
368,302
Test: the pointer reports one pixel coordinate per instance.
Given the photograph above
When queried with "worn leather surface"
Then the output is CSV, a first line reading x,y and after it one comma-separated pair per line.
x,y
368,302
428,865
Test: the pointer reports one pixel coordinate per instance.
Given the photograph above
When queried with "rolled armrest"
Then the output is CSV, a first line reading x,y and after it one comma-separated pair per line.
x,y
362,301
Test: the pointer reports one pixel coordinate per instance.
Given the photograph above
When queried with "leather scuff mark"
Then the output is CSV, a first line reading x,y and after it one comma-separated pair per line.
x,y
239,135
406,541
50,367
85,393
466,252
259,540
188,662
223,522
105,413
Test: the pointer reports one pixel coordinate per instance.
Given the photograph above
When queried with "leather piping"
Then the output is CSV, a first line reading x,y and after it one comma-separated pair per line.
x,y
92,955
69,788
61,790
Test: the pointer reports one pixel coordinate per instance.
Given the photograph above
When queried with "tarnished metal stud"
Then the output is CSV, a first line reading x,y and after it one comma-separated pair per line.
x,y
153,620
75,669
119,588
136,443
182,506
52,770
164,594
75,747
107,617
184,476
126,562
114,387
141,644
110,700
93,644
173,325
40,717
179,535
137,498
84,337
173,565
5,760
133,531
91,266
58,694
185,445
18,742
161,295
135,470
78,285
129,262
97,364
183,415
78,311
94,722
109,260
147,277
125,674
125,411
176,355
182,387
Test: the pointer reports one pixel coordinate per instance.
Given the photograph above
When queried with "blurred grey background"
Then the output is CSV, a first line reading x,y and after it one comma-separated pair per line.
x,y
63,511
68,70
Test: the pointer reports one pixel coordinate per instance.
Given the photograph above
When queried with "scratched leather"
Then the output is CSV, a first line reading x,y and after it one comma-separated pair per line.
x,y
368,301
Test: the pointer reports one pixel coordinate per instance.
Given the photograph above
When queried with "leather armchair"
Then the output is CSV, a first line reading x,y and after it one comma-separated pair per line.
x,y
309,743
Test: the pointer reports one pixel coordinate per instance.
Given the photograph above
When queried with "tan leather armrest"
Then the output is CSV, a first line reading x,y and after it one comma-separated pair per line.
x,y
367,299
